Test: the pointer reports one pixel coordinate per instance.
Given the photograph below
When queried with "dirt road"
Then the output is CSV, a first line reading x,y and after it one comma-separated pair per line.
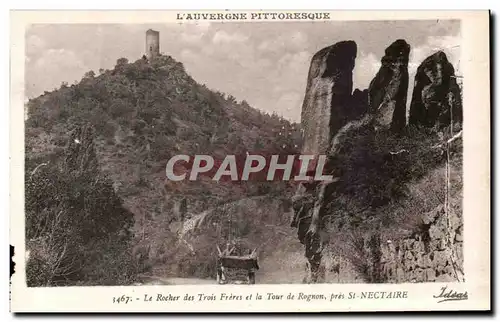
x,y
157,280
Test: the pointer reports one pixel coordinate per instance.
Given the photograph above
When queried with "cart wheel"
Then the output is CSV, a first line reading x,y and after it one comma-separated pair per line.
x,y
251,278
219,275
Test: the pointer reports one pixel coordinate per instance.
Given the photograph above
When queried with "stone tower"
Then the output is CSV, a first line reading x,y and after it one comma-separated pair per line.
x,y
152,43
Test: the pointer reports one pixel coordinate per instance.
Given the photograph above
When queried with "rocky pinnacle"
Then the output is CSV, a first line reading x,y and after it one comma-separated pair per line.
x,y
388,90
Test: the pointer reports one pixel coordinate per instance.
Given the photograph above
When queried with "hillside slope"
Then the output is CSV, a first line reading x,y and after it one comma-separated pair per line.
x,y
144,113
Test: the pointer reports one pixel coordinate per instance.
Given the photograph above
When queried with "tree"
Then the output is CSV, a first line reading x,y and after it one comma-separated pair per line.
x,y
74,220
121,62
89,74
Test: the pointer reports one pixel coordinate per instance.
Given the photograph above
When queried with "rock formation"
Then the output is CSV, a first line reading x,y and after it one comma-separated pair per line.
x,y
343,126
327,107
328,95
436,96
388,90
308,210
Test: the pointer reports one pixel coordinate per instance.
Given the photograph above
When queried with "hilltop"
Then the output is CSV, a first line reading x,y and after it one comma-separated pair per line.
x,y
142,114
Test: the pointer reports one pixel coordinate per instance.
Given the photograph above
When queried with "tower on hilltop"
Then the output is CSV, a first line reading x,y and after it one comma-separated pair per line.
x,y
152,43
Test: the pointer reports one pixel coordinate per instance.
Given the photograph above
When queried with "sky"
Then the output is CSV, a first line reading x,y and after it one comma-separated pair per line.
x,y
265,63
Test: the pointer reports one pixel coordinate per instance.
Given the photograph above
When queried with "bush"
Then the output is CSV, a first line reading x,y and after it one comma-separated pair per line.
x,y
387,183
76,227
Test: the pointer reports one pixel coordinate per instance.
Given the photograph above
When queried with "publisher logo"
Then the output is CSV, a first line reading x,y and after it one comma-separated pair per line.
x,y
450,295
250,167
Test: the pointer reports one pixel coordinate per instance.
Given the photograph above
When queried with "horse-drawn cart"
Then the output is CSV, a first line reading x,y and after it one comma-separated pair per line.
x,y
236,269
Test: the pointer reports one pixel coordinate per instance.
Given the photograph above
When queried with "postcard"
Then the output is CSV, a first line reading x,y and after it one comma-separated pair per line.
x,y
250,161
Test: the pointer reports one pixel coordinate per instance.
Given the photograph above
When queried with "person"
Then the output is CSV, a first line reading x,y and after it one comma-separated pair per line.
x,y
238,248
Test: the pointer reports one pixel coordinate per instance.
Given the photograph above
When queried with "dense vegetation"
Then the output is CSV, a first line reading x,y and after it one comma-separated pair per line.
x,y
386,185
142,113
76,227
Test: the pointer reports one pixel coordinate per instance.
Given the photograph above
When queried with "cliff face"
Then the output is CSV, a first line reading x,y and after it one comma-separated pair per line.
x,y
328,95
392,214
328,105
434,254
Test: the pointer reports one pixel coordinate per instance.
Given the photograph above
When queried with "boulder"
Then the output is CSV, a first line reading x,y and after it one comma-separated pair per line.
x,y
436,99
387,92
